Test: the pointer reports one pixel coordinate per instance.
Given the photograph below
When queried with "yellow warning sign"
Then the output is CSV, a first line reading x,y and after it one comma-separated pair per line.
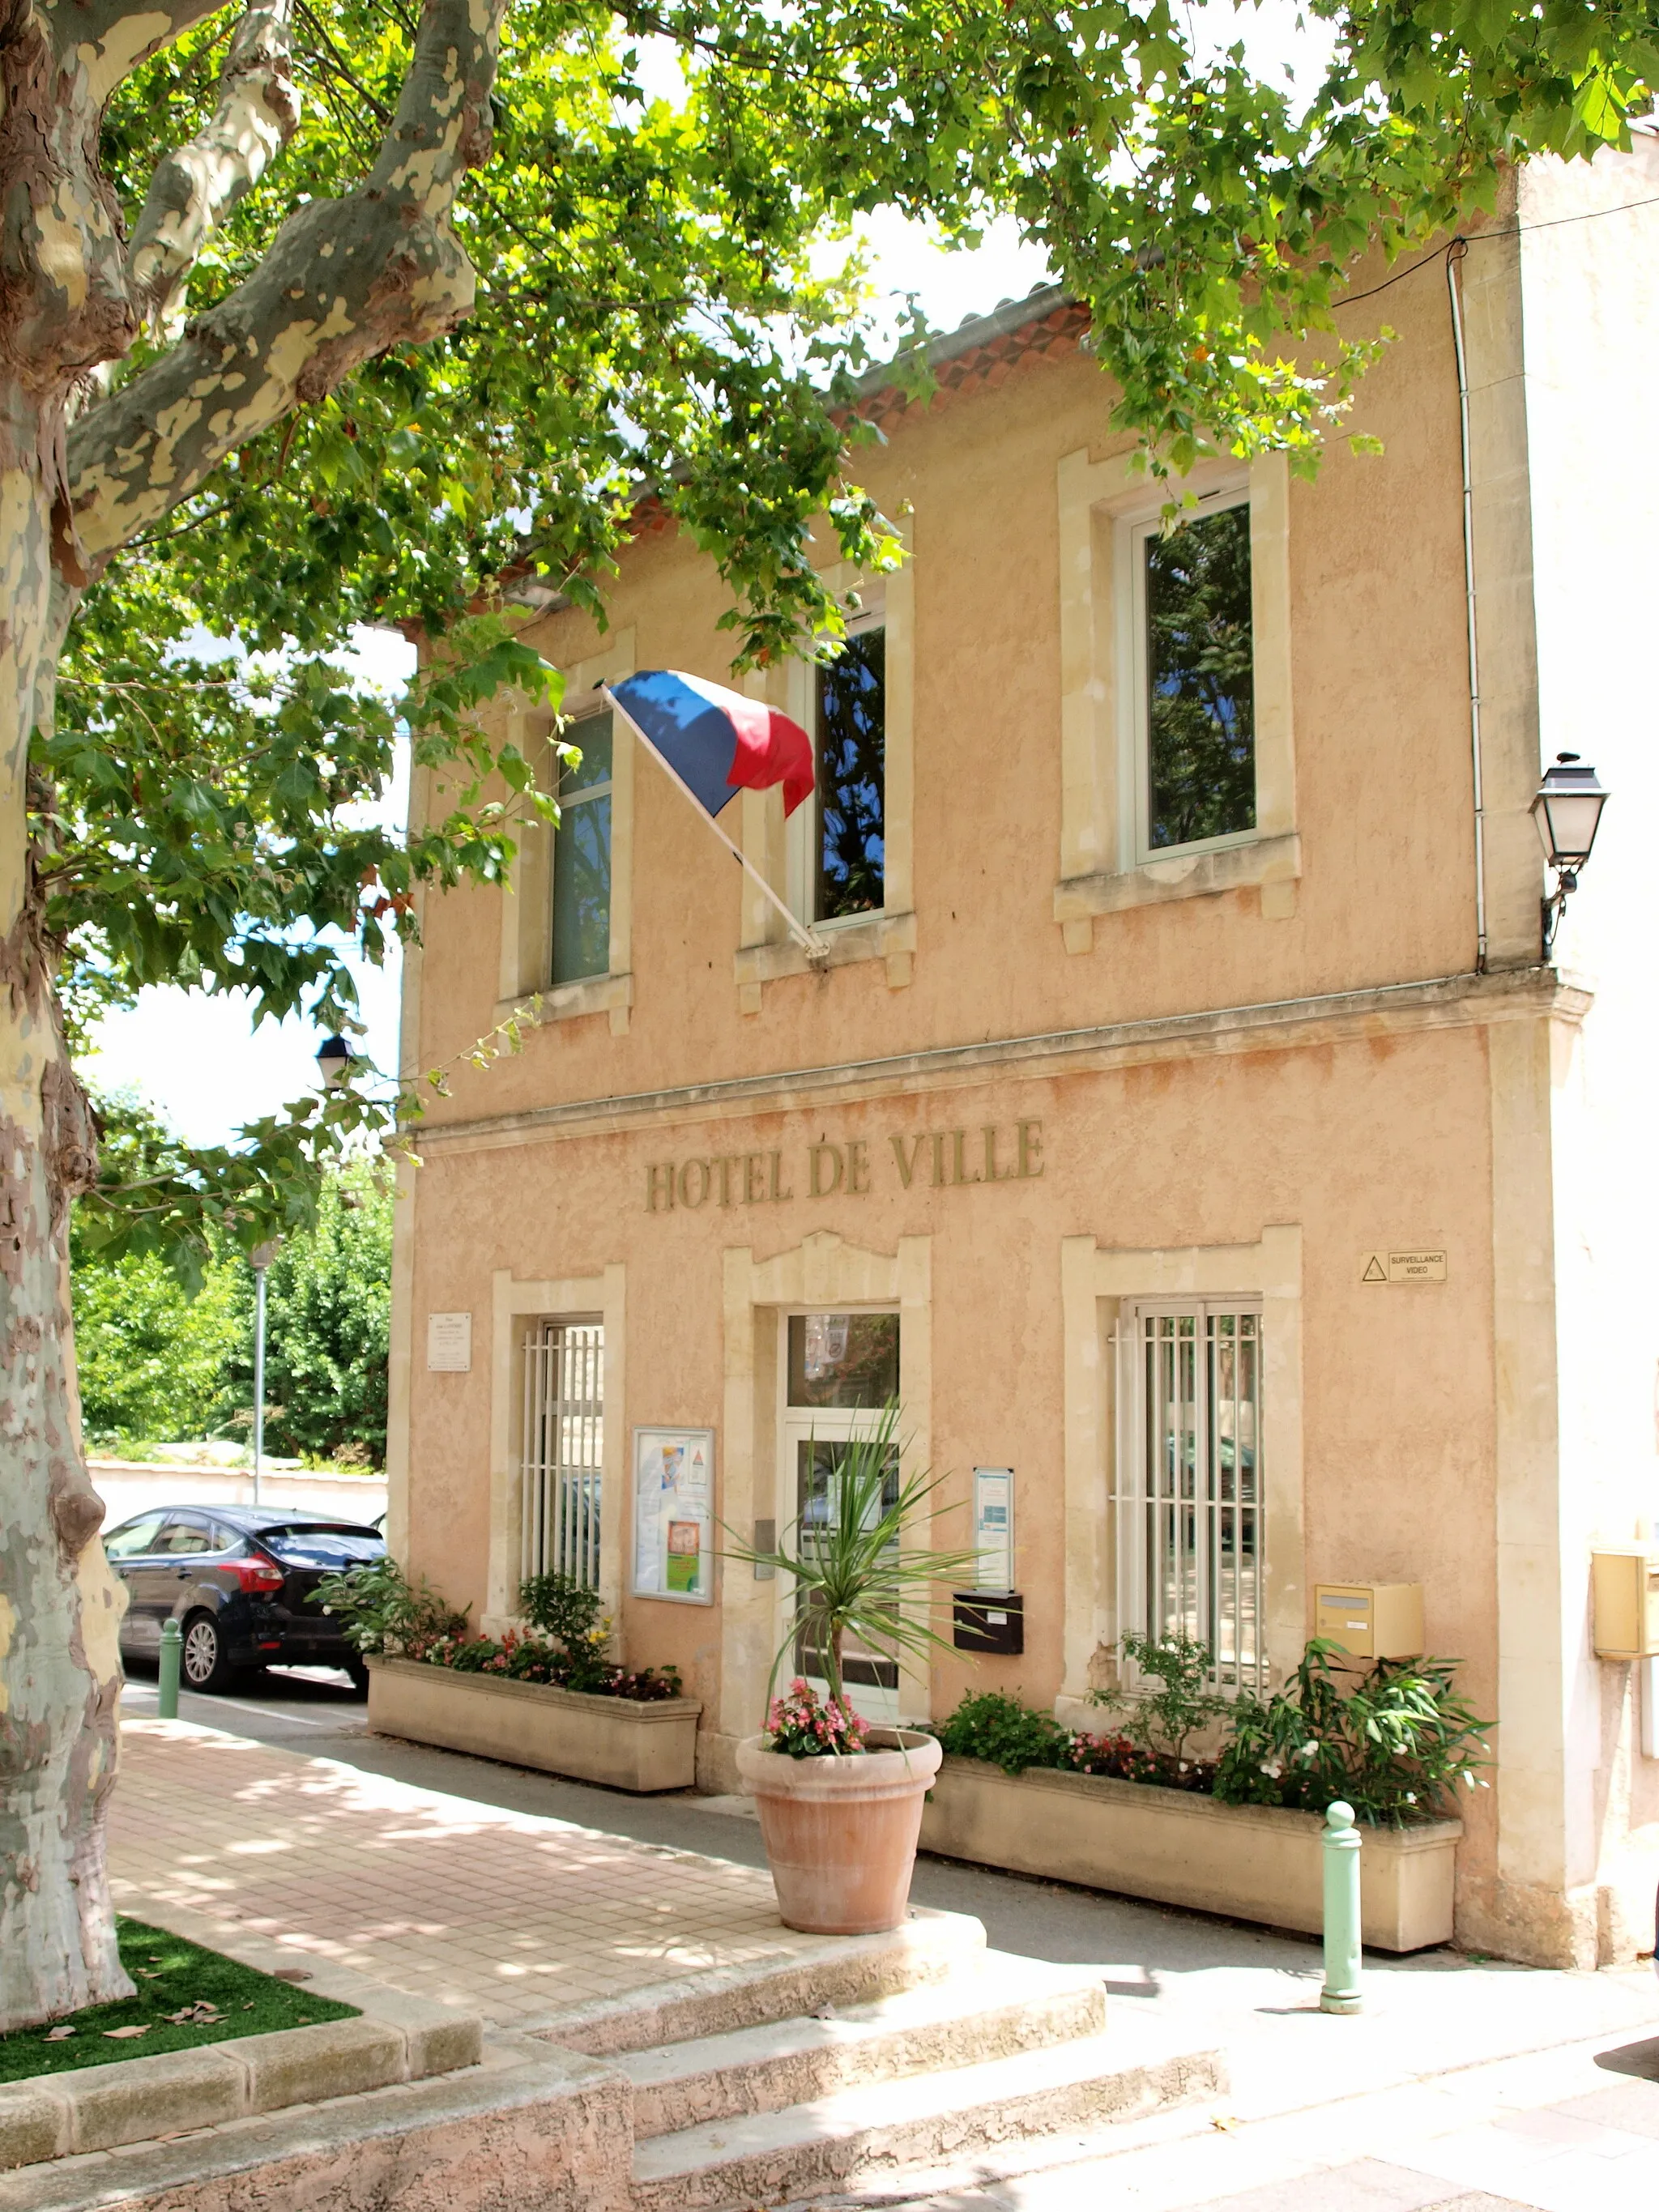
x,y
1420,1264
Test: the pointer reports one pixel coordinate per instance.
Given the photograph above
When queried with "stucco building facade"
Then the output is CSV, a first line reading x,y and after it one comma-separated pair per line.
x,y
1184,1117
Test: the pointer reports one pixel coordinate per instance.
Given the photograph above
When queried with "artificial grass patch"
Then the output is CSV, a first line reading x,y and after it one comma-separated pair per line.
x,y
185,1996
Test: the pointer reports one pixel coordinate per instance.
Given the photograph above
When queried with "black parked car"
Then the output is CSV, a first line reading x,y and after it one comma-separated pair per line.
x,y
241,1580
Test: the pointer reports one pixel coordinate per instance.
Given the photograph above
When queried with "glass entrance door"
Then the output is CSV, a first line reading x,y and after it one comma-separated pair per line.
x,y
842,1371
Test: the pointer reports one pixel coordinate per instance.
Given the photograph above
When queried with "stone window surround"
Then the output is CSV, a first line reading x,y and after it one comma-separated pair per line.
x,y
513,1303
773,846
527,950
1098,1282
823,1273
1100,868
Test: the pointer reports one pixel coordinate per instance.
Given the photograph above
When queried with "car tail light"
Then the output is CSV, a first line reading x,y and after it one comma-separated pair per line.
x,y
257,1576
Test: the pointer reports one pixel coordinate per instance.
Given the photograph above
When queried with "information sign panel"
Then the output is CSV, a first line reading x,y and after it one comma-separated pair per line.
x,y
674,1515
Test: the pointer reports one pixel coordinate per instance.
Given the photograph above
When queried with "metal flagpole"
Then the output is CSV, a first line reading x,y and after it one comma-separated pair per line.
x,y
816,947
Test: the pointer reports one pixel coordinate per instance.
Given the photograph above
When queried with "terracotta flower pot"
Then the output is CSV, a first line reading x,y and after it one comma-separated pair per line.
x,y
841,1833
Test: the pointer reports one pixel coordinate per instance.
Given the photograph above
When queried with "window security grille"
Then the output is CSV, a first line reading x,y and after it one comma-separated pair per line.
x,y
1190,1495
563,1448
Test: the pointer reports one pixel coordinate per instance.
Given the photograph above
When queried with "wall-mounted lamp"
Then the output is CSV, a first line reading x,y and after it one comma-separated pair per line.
x,y
335,1061
1568,811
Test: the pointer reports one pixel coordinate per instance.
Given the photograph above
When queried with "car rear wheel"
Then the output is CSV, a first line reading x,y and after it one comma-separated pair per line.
x,y
204,1665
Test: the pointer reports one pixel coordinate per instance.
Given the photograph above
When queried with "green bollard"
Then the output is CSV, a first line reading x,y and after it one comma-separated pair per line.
x,y
167,1684
1341,1840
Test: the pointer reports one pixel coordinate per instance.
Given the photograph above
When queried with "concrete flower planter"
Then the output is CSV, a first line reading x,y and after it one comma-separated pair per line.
x,y
1249,1861
619,1742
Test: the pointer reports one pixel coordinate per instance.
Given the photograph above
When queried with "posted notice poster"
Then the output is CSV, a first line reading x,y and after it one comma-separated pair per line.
x,y
674,1515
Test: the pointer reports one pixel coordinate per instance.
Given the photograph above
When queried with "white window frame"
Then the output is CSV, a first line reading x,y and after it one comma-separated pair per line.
x,y
571,734
805,829
554,1349
798,1425
1133,532
1132,1496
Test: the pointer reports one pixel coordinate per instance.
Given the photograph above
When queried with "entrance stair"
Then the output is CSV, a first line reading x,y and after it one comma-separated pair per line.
x,y
974,2050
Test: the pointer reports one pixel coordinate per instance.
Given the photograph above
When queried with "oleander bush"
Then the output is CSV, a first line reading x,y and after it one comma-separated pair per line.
x,y
1396,1743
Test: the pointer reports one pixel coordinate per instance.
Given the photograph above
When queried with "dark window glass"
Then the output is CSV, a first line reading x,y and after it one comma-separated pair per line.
x,y
817,1501
133,1540
186,1536
581,857
1200,702
843,1359
323,1548
852,778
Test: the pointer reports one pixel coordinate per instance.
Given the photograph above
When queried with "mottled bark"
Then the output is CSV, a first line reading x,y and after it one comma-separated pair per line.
x,y
344,280
194,188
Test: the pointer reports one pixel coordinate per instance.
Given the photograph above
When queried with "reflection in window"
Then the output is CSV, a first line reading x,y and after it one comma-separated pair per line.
x,y
818,1503
843,1359
1200,706
581,857
852,778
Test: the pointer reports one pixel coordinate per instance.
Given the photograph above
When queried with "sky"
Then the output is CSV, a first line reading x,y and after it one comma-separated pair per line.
x,y
198,1059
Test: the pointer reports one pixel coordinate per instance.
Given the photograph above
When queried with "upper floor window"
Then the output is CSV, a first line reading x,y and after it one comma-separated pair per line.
x,y
581,856
1196,688
852,797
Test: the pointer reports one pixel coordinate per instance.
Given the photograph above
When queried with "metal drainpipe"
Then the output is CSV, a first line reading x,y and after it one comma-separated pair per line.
x,y
1455,253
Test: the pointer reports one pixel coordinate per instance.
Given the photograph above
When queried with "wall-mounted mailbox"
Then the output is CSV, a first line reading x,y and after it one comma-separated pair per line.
x,y
1371,1621
989,1621
1626,1584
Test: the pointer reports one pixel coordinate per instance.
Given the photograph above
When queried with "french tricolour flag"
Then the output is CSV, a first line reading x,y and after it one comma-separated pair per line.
x,y
717,742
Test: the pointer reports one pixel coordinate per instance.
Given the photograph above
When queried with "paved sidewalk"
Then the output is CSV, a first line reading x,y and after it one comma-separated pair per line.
x,y
509,1914
1466,2084
1574,2129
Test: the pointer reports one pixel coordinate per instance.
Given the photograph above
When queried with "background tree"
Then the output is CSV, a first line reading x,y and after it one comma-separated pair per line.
x,y
275,327
328,1328
159,1362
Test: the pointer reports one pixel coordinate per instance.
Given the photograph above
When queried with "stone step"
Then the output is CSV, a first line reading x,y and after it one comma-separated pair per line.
x,y
1001,2005
832,1969
920,2120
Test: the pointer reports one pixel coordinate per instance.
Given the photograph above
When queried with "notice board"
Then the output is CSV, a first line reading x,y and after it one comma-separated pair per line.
x,y
674,1515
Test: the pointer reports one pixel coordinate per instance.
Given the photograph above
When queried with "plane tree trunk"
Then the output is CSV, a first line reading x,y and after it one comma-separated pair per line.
x,y
344,279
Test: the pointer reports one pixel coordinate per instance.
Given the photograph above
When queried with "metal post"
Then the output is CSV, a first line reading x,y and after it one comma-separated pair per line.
x,y
167,1682
259,1375
1342,1992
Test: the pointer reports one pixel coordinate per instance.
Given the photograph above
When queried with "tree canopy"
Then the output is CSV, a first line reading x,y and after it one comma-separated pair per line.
x,y
650,314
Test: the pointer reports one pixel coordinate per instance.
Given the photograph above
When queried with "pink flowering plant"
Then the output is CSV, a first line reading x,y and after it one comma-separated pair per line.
x,y
803,1727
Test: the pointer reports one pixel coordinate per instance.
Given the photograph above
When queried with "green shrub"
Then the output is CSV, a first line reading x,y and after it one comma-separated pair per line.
x,y
382,1611
998,1729
1161,1721
1396,1746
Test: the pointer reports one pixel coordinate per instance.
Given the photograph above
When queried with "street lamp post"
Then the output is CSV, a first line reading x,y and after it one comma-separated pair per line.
x,y
262,1256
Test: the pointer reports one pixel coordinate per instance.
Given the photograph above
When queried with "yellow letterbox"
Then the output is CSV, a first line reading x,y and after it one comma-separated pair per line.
x,y
1371,1621
1626,1584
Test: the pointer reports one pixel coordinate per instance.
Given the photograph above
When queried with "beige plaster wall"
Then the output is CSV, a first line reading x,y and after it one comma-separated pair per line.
x,y
1342,1142
1382,802
1472,1435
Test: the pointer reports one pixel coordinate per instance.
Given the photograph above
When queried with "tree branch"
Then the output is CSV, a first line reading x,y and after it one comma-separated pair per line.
x,y
108,38
344,280
195,187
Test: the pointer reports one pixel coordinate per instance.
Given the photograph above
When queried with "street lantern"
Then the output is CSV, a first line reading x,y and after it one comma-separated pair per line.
x,y
335,1061
1567,811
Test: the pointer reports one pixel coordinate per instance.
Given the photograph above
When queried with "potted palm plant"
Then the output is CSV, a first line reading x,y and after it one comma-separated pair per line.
x,y
839,1800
